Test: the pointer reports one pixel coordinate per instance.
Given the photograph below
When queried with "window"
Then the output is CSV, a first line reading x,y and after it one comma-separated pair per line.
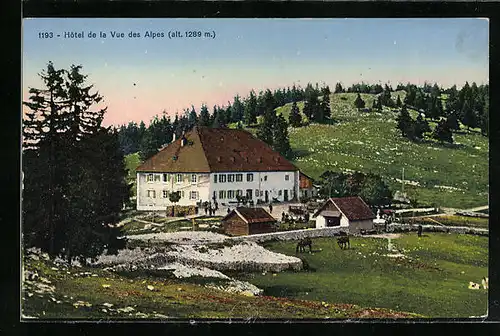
x,y
151,194
165,193
165,177
257,192
262,193
249,194
279,192
193,178
287,177
265,178
239,192
230,194
193,195
239,177
222,194
150,177
179,178
215,178
157,177
182,194
222,178
249,177
230,178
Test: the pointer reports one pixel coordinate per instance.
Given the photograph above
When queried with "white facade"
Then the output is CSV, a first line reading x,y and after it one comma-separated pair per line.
x,y
321,221
153,188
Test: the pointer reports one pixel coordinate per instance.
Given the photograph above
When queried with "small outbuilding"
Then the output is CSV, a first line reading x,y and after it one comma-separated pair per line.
x,y
244,221
349,212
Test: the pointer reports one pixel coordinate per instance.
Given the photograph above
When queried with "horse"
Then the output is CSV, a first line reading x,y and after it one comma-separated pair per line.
x,y
344,242
301,245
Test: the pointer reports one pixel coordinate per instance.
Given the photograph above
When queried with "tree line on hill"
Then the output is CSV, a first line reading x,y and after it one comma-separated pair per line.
x,y
468,106
241,111
73,169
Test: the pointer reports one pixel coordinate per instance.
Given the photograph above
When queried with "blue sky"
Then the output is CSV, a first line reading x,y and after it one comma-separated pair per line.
x,y
172,74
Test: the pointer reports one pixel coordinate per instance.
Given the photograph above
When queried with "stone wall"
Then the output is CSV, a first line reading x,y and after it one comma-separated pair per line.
x,y
294,235
437,228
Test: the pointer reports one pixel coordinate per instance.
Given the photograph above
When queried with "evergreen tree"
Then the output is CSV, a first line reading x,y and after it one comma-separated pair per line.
x,y
250,113
192,118
266,128
237,110
359,102
469,117
325,104
420,127
68,204
375,191
452,122
295,119
339,88
442,132
405,123
204,119
398,102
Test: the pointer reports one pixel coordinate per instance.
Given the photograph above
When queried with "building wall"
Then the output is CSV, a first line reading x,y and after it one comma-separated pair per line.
x,y
321,222
257,228
273,182
235,226
355,226
158,185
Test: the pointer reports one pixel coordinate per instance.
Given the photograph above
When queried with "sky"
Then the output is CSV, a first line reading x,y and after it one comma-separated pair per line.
x,y
140,77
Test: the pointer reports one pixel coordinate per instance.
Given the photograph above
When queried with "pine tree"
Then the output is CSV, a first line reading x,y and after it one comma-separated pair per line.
x,y
452,121
405,123
192,118
68,203
325,104
295,119
339,88
204,119
281,141
359,103
398,102
420,127
442,132
250,113
237,110
266,129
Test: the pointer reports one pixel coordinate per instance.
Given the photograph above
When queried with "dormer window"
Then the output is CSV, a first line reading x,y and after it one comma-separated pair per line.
x,y
232,158
219,159
259,160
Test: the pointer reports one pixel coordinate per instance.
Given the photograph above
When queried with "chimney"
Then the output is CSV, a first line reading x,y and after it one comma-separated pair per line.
x,y
219,159
246,159
183,141
173,138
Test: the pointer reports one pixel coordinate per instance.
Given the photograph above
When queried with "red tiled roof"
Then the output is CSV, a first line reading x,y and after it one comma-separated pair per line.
x,y
354,208
217,150
252,215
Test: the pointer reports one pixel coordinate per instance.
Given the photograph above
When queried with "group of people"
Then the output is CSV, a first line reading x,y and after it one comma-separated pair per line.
x,y
210,209
287,218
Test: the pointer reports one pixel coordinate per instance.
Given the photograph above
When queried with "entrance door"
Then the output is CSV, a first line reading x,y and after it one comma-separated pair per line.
x,y
266,196
285,195
249,194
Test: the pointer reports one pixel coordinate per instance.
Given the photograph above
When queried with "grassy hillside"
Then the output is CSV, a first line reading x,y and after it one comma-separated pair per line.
x,y
432,280
370,142
60,292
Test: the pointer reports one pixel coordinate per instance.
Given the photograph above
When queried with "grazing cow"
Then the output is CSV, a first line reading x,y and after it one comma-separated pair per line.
x,y
484,282
344,242
473,285
301,245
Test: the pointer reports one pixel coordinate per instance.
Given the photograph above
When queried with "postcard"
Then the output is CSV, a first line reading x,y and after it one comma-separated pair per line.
x,y
254,169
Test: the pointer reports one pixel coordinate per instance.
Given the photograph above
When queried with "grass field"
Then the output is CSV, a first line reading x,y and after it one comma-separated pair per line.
x,y
453,176
104,295
433,284
455,220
